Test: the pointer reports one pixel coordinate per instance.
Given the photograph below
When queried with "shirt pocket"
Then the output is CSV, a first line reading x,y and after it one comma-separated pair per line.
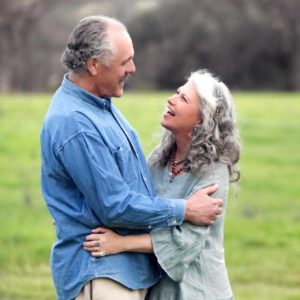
x,y
127,164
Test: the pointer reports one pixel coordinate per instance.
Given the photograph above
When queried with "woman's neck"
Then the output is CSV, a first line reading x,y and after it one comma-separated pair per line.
x,y
183,143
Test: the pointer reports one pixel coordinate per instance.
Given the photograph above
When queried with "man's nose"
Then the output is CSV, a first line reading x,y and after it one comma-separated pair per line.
x,y
131,67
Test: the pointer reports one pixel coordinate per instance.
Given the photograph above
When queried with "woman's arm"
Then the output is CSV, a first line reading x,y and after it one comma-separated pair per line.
x,y
177,247
104,241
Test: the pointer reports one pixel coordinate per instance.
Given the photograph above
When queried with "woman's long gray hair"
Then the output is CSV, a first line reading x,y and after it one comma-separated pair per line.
x,y
216,139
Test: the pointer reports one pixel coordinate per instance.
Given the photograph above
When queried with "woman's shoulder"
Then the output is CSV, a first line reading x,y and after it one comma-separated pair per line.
x,y
215,173
216,169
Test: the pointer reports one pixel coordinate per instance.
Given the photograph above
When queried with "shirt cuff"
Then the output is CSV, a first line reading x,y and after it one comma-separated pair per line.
x,y
178,211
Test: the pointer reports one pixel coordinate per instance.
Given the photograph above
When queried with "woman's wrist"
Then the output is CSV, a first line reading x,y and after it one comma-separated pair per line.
x,y
126,244
137,243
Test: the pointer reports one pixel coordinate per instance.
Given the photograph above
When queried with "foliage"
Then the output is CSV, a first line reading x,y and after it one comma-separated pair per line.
x,y
252,44
263,222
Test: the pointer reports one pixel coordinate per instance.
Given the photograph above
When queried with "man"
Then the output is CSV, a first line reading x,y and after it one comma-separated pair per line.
x,y
94,172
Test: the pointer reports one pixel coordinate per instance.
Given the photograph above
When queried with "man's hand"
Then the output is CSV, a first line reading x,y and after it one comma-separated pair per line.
x,y
201,209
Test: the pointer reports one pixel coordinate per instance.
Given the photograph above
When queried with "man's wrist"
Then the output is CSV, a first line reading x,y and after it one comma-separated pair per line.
x,y
179,212
186,211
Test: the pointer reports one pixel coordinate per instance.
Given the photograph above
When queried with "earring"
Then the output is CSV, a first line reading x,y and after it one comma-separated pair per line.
x,y
194,131
217,112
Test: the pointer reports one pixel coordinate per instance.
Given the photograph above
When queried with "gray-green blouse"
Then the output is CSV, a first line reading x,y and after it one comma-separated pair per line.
x,y
192,256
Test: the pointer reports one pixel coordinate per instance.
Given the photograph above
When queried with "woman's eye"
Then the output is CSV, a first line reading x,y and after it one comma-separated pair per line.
x,y
183,98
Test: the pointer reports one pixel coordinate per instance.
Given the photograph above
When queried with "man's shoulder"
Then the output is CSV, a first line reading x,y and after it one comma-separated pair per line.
x,y
69,107
66,118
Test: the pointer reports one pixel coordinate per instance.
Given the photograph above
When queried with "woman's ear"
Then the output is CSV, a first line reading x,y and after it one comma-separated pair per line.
x,y
93,66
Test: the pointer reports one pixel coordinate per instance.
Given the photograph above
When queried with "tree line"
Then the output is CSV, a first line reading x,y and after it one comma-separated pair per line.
x,y
251,44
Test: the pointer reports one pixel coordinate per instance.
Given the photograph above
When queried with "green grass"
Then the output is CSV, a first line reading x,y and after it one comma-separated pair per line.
x,y
263,222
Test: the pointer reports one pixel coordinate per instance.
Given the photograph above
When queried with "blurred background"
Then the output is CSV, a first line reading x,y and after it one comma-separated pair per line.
x,y
253,46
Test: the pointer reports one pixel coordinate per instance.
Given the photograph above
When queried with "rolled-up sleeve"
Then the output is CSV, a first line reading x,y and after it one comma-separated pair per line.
x,y
93,169
177,247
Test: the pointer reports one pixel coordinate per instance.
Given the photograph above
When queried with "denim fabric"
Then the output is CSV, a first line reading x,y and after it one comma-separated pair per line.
x,y
94,174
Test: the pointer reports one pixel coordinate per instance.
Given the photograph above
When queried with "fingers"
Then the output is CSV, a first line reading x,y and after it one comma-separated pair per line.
x,y
98,253
96,233
92,244
93,237
201,208
94,247
215,212
213,220
218,202
219,211
210,189
95,251
99,230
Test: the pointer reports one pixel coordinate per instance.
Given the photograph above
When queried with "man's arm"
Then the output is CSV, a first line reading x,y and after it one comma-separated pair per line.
x,y
175,248
94,171
104,241
201,209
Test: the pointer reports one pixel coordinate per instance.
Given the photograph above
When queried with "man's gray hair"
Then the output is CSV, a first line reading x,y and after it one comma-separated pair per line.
x,y
216,139
90,38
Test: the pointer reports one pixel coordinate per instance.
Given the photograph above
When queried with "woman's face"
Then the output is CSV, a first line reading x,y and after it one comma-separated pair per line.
x,y
183,110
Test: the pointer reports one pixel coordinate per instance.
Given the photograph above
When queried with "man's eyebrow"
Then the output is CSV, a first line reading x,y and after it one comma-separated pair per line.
x,y
127,60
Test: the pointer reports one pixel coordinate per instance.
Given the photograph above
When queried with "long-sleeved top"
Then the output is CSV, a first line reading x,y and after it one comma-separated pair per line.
x,y
94,174
191,256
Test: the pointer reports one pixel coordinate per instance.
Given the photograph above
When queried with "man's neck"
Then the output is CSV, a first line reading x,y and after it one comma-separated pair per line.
x,y
83,81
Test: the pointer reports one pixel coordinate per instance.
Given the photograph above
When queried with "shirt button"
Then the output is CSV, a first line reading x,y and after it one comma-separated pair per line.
x,y
174,222
149,226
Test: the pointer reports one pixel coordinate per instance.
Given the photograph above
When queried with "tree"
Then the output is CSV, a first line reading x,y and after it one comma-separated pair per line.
x,y
251,44
19,21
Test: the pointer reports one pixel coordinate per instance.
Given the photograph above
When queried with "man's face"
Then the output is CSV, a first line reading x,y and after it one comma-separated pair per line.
x,y
110,79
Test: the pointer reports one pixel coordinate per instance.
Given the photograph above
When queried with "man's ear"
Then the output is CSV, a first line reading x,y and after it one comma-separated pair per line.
x,y
93,65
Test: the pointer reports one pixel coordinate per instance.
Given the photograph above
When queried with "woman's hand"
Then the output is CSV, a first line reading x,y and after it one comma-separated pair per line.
x,y
103,242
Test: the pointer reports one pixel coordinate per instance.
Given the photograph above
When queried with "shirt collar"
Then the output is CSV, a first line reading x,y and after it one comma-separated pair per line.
x,y
84,95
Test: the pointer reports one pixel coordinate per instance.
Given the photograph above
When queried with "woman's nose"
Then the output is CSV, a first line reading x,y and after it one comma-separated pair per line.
x,y
171,100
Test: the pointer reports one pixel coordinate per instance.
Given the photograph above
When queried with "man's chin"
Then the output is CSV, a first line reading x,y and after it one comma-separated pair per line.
x,y
119,93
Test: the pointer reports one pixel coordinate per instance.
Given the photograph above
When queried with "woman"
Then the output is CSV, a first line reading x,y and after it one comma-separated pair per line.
x,y
200,147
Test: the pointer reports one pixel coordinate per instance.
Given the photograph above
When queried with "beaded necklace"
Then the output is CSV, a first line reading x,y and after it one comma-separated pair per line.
x,y
173,164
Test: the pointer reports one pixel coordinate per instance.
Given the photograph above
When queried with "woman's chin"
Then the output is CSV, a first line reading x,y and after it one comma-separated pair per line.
x,y
165,125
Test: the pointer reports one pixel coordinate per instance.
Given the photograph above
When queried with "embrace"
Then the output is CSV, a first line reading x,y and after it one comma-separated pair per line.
x,y
128,230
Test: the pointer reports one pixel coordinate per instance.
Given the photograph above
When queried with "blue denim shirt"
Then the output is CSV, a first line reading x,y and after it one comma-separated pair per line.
x,y
94,174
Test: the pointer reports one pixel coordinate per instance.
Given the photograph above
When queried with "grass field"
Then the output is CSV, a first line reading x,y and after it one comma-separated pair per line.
x,y
263,222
